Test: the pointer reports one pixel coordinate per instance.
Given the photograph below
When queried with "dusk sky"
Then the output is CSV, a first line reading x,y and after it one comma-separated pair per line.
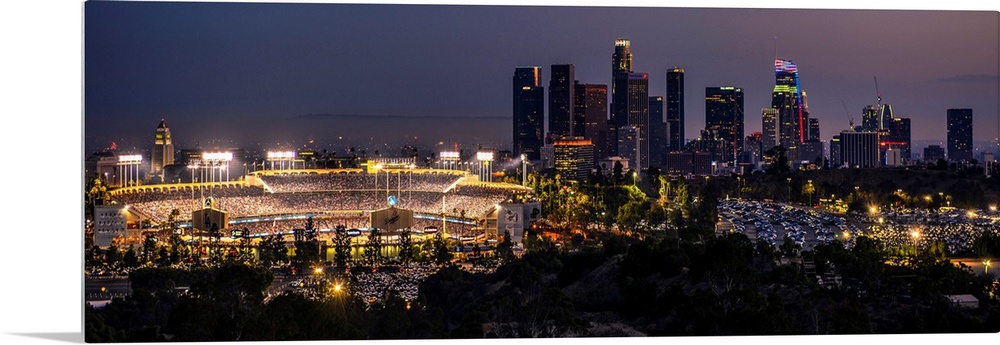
x,y
251,72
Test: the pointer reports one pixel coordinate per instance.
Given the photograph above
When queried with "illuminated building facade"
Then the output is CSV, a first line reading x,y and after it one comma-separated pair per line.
x,y
860,149
561,101
529,111
724,117
786,99
163,150
657,132
675,109
592,106
574,158
769,119
959,135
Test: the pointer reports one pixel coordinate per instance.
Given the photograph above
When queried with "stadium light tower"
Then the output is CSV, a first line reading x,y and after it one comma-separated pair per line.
x,y
128,167
218,160
486,165
524,170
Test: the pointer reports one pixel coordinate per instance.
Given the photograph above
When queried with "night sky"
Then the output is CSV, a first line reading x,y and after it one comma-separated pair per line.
x,y
287,73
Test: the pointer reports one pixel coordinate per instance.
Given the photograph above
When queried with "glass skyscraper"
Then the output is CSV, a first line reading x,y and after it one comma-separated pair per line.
x,y
960,134
675,109
724,116
529,111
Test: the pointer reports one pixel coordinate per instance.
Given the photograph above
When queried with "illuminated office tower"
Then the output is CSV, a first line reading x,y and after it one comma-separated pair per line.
x,y
675,109
574,157
592,107
959,135
529,111
621,68
898,137
561,101
163,150
769,119
724,116
813,129
786,99
657,132
860,149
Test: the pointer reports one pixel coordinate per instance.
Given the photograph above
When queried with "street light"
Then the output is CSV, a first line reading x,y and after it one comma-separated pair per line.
x,y
986,266
916,236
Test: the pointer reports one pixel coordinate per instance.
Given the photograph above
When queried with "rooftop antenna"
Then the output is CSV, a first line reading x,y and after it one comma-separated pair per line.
x,y
775,47
881,111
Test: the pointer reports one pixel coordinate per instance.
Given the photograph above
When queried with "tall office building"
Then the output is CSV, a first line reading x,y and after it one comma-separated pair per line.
x,y
529,111
675,109
724,115
813,129
628,144
898,137
959,135
621,67
657,132
753,148
860,149
592,107
870,118
638,115
163,150
574,157
835,156
561,101
769,119
786,99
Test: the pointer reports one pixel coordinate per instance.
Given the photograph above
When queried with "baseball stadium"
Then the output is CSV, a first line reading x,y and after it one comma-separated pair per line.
x,y
267,202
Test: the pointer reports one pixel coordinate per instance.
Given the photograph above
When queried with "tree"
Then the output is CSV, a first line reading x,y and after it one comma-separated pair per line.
x,y
505,249
130,260
341,247
442,254
373,249
405,247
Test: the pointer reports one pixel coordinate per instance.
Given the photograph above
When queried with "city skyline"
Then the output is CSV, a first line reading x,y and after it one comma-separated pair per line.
x,y
222,69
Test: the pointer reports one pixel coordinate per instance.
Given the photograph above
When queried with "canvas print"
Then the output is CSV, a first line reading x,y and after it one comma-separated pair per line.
x,y
282,171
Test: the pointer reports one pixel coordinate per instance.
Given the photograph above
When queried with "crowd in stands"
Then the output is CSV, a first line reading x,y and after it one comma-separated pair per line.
x,y
249,201
359,181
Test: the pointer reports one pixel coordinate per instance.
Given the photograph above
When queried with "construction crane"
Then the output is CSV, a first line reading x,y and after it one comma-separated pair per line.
x,y
850,118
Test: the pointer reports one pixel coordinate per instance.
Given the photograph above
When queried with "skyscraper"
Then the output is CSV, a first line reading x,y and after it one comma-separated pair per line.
x,y
813,129
637,107
621,67
657,132
573,158
592,104
675,109
561,101
859,149
163,150
898,137
529,111
724,115
869,118
786,99
959,135
769,117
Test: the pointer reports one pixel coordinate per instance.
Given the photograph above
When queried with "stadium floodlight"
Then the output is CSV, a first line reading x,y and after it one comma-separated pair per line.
x,y
280,154
217,156
485,156
449,155
130,158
